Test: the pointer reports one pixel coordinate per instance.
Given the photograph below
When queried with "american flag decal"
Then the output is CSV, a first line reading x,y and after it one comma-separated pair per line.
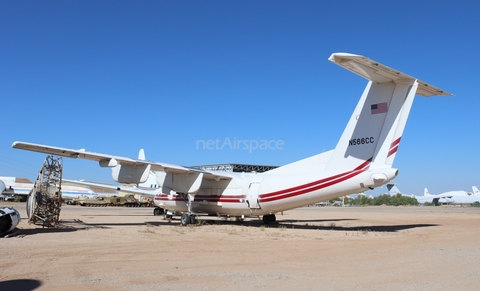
x,y
379,108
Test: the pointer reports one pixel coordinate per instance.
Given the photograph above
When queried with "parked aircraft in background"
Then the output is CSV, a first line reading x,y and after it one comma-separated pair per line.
x,y
447,194
393,190
147,189
362,159
453,197
21,187
475,191
2,186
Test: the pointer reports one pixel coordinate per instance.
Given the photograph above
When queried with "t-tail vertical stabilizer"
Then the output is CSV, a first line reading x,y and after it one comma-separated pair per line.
x,y
375,128
393,189
475,191
426,193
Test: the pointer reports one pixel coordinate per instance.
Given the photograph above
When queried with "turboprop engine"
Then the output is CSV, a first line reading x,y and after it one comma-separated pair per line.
x,y
9,219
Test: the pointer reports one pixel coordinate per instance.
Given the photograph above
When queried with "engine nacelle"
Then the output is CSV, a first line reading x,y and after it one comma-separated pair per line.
x,y
128,174
9,219
379,177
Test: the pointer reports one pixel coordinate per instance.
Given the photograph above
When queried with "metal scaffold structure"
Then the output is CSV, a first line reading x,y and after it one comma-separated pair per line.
x,y
45,198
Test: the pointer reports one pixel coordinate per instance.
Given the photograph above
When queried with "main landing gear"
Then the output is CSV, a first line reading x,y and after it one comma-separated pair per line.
x,y
167,215
158,211
186,219
269,218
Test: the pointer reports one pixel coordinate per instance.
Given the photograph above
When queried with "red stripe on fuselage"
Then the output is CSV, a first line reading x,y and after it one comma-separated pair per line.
x,y
225,198
326,183
363,166
277,195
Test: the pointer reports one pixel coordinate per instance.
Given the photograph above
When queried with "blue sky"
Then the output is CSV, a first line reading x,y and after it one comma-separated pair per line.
x,y
116,76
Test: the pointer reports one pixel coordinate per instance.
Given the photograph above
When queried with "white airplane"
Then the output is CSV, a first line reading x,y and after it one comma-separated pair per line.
x,y
393,191
21,188
361,160
453,197
149,188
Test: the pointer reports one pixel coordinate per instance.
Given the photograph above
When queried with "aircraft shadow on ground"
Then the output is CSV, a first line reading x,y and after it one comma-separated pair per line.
x,y
319,224
329,224
63,225
364,228
20,285
113,215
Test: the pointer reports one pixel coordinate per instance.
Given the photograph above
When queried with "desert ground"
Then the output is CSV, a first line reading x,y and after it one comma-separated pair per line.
x,y
311,248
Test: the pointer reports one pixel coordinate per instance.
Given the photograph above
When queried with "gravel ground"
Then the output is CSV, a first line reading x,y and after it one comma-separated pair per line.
x,y
312,248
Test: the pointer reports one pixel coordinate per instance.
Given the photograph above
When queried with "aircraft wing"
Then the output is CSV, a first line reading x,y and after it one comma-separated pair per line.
x,y
111,161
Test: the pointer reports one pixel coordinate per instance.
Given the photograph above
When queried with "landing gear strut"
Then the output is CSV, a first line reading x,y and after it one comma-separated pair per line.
x,y
167,216
189,217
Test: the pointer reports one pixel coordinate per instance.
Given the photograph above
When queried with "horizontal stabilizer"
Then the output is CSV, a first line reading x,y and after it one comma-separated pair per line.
x,y
379,73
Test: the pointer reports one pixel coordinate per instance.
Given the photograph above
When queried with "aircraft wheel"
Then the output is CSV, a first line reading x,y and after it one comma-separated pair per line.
x,y
158,211
185,219
269,218
193,219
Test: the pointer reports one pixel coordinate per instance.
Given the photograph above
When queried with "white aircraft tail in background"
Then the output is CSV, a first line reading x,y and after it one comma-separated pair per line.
x,y
426,192
393,189
475,191
361,160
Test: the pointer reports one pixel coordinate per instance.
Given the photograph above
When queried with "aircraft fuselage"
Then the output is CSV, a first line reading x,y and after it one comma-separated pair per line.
x,y
250,194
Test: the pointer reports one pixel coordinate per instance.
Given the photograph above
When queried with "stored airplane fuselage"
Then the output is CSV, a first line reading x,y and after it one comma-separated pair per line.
x,y
23,189
252,194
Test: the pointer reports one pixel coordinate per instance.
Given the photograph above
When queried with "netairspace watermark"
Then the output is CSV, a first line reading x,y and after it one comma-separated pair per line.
x,y
239,144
